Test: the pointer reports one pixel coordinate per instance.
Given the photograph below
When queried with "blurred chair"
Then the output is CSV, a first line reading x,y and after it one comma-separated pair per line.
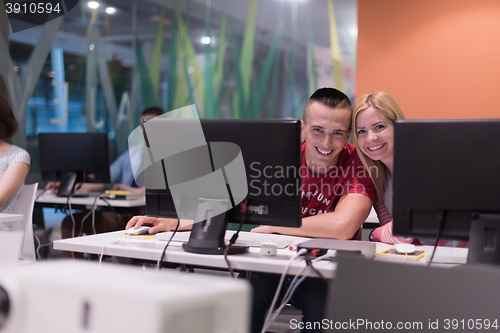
x,y
24,205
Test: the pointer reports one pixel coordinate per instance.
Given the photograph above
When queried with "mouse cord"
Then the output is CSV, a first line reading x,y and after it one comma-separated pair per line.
x,y
102,254
235,236
270,313
441,227
158,264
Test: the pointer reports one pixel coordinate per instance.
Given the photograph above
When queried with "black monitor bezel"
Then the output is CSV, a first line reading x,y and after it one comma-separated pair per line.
x,y
446,183
284,211
86,154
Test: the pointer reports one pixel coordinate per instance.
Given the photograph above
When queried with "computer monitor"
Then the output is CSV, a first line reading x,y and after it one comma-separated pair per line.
x,y
74,157
272,161
447,181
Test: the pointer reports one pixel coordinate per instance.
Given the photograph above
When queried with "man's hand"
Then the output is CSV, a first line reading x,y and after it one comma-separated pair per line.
x,y
54,186
158,224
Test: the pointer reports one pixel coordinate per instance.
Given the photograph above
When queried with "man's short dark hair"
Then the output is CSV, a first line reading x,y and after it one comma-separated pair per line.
x,y
330,97
8,123
153,111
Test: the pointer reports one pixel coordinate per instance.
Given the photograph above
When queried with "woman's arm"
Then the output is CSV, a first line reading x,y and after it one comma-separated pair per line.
x,y
384,232
12,179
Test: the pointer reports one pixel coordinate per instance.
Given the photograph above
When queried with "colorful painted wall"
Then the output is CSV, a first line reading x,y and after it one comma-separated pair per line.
x,y
438,59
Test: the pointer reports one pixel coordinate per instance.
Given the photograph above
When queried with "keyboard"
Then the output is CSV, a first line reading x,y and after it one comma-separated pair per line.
x,y
244,238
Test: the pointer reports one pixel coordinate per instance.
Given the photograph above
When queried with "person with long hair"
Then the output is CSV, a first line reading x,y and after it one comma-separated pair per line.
x,y
373,123
14,163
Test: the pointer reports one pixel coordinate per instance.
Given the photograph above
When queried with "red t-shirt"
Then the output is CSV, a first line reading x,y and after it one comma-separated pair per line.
x,y
321,193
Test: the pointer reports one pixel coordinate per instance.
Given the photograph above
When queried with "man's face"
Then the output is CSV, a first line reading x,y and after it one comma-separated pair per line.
x,y
326,131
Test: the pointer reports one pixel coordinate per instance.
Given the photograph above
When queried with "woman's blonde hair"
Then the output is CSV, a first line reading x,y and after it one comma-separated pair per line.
x,y
388,106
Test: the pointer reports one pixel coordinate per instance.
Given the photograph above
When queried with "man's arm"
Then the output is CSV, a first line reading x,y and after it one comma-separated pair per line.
x,y
84,187
349,215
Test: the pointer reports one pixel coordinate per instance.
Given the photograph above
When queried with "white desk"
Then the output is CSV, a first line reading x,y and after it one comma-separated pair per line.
x,y
51,199
10,217
111,244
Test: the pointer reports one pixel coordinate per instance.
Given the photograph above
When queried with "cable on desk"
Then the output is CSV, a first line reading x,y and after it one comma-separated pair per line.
x,y
40,194
102,254
309,264
234,237
158,264
296,281
268,319
68,204
40,246
103,198
37,251
441,227
92,211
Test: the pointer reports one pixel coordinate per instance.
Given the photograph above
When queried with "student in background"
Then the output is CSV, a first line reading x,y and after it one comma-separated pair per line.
x,y
122,179
373,122
14,163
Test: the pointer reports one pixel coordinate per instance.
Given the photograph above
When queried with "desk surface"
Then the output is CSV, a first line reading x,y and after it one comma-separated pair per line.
x,y
111,244
51,198
10,217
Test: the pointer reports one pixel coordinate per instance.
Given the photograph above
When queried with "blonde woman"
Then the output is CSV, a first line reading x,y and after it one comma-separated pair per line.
x,y
373,123
14,163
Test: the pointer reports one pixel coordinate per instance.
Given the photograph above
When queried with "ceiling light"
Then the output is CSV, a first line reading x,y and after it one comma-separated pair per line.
x,y
93,4
205,40
110,10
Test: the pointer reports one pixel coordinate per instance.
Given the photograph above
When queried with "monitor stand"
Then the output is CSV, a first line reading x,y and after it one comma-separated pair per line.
x,y
484,239
67,186
207,236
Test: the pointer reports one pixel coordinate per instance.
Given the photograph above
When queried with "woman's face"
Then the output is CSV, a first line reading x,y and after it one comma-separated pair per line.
x,y
375,133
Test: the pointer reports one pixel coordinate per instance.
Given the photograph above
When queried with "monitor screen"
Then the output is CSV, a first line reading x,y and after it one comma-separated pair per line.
x,y
271,158
446,181
74,157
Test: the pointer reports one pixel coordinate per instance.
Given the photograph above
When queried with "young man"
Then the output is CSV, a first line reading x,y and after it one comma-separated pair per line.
x,y
337,192
337,195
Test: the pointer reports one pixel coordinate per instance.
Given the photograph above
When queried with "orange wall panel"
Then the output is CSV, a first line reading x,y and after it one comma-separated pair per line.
x,y
437,58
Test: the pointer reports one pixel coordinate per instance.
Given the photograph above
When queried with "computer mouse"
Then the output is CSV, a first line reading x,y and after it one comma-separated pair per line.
x,y
404,248
137,231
